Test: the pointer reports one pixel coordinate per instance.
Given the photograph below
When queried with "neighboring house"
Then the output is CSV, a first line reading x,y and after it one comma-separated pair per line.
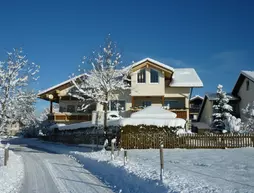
x,y
244,89
195,106
14,128
242,94
206,111
152,83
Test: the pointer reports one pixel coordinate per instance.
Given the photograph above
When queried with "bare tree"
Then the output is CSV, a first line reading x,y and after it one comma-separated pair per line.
x,y
15,75
103,80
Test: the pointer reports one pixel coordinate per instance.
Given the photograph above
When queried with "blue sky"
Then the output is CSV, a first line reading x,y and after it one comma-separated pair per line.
x,y
214,37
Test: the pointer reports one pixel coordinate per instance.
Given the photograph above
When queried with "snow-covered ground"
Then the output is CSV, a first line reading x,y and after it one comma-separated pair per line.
x,y
11,176
200,170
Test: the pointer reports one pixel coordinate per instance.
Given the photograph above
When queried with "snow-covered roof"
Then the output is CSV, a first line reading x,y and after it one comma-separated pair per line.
x,y
244,74
60,84
153,112
196,97
185,77
248,74
155,62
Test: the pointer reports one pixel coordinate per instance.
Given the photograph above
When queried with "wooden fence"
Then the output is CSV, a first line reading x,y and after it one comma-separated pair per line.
x,y
189,141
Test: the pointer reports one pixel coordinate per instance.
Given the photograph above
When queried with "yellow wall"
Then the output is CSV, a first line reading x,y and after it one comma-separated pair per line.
x,y
147,88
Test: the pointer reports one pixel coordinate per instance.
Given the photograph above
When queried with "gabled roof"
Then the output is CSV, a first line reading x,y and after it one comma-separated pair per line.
x,y
242,76
182,77
196,97
213,97
59,85
153,61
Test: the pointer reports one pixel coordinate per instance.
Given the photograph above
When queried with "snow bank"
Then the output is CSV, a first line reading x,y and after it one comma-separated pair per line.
x,y
76,126
187,171
176,122
11,176
56,126
154,112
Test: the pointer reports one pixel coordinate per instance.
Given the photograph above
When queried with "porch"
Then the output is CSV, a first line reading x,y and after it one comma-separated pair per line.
x,y
69,117
176,105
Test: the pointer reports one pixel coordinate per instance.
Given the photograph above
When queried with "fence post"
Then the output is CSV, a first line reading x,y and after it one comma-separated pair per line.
x,y
112,150
6,154
161,163
125,157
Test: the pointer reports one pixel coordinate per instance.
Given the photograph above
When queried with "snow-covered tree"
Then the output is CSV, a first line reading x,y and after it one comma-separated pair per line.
x,y
104,79
248,112
44,114
16,101
222,110
222,116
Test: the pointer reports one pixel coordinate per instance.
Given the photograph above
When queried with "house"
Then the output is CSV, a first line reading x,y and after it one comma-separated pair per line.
x,y
244,89
152,83
195,106
206,110
242,94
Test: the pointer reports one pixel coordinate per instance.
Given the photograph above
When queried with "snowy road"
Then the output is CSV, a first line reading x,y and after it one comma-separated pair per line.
x,y
53,173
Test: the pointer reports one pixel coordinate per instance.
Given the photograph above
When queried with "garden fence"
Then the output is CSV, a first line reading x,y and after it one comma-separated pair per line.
x,y
189,141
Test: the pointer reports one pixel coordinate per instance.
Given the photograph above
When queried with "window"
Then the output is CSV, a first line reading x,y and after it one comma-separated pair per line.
x,y
117,105
71,108
141,76
247,85
146,103
154,75
174,104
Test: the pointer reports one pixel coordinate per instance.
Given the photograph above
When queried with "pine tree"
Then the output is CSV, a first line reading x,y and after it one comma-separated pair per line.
x,y
222,110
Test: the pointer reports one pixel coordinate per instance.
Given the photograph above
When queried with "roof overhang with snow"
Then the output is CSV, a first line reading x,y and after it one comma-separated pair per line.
x,y
55,90
196,97
148,62
239,82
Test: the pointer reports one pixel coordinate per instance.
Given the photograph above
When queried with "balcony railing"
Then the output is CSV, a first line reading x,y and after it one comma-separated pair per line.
x,y
69,117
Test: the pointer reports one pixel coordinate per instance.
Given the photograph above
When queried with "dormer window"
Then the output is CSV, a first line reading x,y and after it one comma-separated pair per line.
x,y
141,76
247,85
154,76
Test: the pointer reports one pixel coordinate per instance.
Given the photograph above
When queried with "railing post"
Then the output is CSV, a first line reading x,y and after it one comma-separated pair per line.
x,y
112,150
161,163
6,154
125,157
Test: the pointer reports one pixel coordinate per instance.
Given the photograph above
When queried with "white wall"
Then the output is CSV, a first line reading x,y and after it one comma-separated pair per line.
x,y
246,96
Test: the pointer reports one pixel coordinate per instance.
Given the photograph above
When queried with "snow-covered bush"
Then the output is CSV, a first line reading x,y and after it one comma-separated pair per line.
x,y
248,112
233,124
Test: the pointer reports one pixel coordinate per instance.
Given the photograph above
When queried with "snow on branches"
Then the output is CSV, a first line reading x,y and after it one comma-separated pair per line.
x,y
221,107
104,78
16,102
222,112
248,113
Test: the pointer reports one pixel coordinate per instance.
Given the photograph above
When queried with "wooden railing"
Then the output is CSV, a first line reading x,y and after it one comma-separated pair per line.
x,y
68,117
188,141
180,113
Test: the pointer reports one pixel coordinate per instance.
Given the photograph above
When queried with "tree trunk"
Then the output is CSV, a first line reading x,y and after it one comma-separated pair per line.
x,y
105,116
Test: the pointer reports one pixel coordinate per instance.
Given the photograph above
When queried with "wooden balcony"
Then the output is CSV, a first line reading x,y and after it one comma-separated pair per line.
x,y
69,117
